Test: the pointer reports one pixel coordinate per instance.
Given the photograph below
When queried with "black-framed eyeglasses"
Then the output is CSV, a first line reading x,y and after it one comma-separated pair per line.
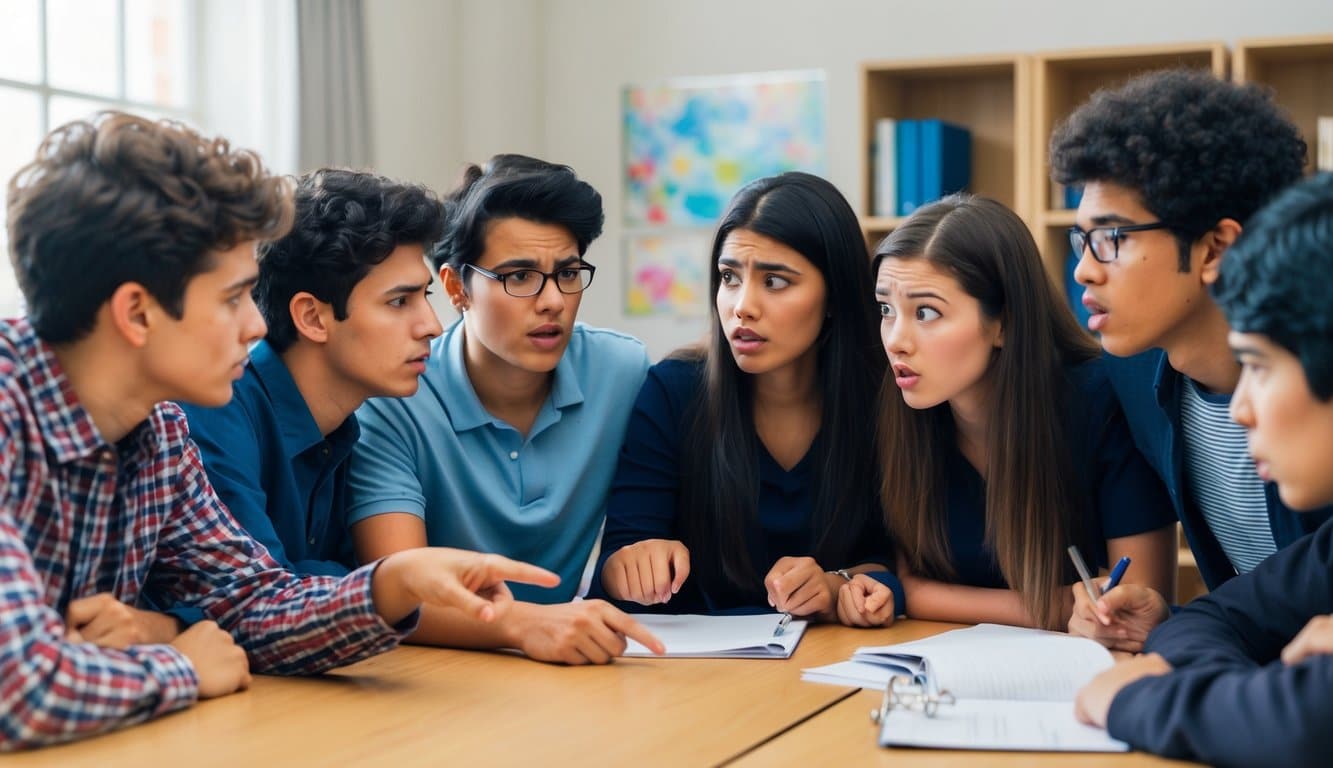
x,y
1105,241
522,283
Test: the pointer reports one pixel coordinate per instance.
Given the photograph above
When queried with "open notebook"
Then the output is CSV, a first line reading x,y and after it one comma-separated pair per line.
x,y
1014,688
729,637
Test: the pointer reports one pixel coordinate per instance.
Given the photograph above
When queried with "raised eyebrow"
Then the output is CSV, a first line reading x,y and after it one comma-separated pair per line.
x,y
515,264
927,295
1110,219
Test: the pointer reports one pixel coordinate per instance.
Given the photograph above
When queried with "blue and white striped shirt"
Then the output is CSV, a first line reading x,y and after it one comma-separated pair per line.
x,y
1221,475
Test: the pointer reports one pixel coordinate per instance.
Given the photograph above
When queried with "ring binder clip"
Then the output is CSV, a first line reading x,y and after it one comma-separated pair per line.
x,y
903,692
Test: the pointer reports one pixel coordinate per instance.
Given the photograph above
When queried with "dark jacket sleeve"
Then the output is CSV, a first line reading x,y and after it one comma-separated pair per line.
x,y
643,500
1231,700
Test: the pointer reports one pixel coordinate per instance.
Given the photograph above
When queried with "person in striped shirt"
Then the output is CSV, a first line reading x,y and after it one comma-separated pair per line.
x,y
134,245
1240,677
1172,165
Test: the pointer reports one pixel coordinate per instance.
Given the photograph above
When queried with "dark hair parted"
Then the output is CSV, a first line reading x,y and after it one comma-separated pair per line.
x,y
719,460
1196,149
1272,279
1031,494
346,223
515,186
122,199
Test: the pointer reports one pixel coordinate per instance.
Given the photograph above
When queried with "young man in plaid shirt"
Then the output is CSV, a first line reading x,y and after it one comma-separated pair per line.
x,y
134,244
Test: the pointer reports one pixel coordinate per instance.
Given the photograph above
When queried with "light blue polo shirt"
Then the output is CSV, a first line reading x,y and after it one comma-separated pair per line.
x,y
478,483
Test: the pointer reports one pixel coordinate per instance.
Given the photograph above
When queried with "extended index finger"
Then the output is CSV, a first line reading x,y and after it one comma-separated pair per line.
x,y
625,624
501,568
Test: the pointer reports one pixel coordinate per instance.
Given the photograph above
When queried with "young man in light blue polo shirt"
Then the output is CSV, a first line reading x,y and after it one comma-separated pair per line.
x,y
511,442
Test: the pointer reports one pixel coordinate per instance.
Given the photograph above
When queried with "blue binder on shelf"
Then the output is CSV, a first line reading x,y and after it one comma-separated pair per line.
x,y
909,166
934,159
946,159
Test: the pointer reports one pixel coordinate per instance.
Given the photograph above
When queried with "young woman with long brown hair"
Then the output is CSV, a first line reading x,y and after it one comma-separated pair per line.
x,y
1000,437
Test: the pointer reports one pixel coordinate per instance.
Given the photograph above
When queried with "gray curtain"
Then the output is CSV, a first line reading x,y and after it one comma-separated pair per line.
x,y
331,52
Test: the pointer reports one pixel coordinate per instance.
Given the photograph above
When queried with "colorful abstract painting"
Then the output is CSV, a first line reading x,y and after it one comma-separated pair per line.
x,y
666,273
690,144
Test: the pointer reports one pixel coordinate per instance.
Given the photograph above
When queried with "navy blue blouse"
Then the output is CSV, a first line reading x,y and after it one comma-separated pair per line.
x,y
644,497
1123,496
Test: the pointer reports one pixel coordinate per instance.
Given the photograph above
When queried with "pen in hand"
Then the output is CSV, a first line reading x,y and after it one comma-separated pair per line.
x,y
1117,573
1082,568
782,625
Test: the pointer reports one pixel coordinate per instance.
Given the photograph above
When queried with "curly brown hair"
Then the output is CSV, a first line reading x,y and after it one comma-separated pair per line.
x,y
123,199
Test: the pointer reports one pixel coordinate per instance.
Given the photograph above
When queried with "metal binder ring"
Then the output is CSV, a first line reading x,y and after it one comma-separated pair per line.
x,y
903,692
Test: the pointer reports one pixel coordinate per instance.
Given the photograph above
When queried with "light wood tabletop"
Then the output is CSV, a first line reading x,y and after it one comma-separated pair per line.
x,y
424,706
431,706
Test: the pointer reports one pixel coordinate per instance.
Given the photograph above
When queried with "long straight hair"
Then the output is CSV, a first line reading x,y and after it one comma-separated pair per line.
x,y
719,460
1032,493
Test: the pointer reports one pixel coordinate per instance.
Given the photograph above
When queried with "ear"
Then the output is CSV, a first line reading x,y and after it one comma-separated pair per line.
x,y
311,317
1215,243
132,311
452,280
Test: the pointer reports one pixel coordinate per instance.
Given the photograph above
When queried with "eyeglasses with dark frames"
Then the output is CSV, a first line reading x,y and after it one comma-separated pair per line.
x,y
1105,241
522,283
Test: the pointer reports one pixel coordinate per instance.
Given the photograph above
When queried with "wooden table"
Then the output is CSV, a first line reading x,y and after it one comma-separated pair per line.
x,y
429,706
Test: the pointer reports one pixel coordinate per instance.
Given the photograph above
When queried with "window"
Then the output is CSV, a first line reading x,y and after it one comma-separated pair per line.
x,y
61,60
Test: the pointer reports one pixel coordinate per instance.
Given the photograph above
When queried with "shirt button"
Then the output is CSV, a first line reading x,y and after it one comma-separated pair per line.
x,y
312,541
513,454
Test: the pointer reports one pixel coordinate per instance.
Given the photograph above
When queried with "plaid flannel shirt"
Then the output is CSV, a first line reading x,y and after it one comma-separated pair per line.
x,y
137,519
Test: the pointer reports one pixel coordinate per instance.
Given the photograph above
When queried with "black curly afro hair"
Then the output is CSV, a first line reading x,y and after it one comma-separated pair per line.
x,y
1197,149
1271,281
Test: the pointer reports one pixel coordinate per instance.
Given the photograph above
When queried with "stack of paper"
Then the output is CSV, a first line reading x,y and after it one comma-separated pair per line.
x,y
728,637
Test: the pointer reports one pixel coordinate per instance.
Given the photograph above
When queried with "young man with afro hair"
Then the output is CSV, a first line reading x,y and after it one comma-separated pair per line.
x,y
1173,164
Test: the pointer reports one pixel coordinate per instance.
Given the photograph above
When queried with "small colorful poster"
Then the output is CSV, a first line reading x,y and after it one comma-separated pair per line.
x,y
666,273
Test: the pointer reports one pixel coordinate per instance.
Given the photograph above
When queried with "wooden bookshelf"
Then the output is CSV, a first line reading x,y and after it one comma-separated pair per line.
x,y
1064,80
986,94
1300,72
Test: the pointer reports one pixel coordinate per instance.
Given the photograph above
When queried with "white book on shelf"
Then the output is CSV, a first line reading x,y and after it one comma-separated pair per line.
x,y
885,167
1324,143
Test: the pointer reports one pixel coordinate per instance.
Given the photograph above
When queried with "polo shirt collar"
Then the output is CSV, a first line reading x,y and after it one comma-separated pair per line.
x,y
295,422
460,397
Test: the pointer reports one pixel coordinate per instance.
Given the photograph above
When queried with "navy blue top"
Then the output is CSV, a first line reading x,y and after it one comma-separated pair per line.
x,y
644,498
1123,496
1231,700
283,480
1147,387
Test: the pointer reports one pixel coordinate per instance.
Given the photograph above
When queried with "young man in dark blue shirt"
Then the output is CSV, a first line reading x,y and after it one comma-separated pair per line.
x,y
344,296
1242,675
1173,164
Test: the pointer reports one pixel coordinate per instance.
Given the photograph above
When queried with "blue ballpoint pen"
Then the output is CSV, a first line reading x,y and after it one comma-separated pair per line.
x,y
1117,573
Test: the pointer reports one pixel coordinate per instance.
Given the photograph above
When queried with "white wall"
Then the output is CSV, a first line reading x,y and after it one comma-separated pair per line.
x,y
572,57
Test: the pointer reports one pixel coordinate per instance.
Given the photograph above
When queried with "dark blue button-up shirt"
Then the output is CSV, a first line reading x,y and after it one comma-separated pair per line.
x,y
282,479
